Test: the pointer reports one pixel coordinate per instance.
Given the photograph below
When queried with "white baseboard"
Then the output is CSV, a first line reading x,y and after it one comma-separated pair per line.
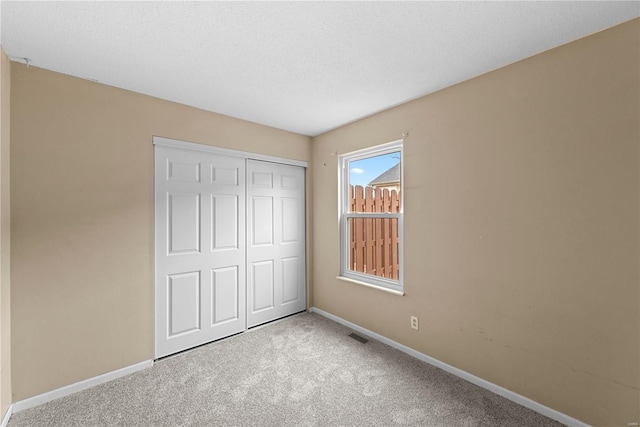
x,y
7,416
501,391
21,405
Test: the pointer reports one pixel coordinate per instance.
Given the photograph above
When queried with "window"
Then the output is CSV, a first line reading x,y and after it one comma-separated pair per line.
x,y
371,216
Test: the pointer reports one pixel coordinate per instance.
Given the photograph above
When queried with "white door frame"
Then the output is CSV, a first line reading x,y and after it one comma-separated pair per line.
x,y
173,143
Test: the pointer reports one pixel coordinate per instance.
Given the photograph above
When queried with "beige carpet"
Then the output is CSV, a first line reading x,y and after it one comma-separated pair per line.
x,y
302,371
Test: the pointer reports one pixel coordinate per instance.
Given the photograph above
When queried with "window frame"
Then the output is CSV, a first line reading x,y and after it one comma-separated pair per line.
x,y
391,285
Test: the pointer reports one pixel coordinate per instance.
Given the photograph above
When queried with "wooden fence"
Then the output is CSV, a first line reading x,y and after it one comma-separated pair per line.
x,y
373,242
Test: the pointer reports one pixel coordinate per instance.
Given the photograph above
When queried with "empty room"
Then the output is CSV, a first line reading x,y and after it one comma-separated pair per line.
x,y
320,213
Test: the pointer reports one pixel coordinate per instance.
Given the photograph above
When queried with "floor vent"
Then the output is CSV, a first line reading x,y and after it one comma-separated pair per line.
x,y
358,338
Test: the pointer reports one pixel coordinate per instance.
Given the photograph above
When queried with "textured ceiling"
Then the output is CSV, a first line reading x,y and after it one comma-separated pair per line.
x,y
307,67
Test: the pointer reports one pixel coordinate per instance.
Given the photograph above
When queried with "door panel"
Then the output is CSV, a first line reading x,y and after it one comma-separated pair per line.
x,y
184,303
182,171
262,221
276,252
262,279
224,176
290,182
290,278
225,226
184,223
225,303
262,179
289,218
200,248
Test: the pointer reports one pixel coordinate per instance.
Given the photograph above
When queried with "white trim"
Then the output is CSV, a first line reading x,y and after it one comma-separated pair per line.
x,y
369,285
375,150
174,143
373,215
494,388
31,402
7,416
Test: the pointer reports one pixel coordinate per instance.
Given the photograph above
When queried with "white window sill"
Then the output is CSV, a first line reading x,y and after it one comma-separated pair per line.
x,y
369,285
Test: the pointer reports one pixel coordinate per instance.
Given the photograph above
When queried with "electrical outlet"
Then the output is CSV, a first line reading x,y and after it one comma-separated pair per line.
x,y
414,322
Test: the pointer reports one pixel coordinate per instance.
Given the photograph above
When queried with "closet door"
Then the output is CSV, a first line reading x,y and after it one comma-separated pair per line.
x,y
276,241
199,248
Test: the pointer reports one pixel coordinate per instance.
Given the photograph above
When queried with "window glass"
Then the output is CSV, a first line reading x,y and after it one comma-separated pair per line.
x,y
374,183
373,246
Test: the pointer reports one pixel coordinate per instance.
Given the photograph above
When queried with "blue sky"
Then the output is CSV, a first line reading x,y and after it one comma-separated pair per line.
x,y
361,172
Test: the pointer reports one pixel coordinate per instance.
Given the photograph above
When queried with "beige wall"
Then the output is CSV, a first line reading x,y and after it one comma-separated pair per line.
x,y
81,205
521,245
5,235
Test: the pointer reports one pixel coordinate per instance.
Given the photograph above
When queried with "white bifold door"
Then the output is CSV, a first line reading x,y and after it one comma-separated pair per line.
x,y
229,252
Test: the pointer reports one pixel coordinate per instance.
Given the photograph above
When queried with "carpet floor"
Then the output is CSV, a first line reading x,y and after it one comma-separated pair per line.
x,y
302,371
